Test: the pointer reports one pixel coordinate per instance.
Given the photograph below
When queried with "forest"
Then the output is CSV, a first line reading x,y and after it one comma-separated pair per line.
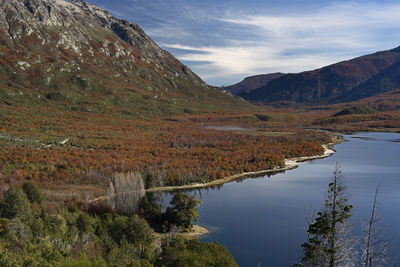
x,y
71,153
32,234
66,151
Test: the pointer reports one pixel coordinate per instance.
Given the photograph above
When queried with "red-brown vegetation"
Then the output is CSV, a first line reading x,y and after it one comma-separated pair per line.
x,y
175,151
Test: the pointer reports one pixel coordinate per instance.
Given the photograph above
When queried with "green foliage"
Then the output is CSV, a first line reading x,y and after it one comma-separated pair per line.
x,y
277,117
56,96
263,117
8,259
84,222
57,224
183,211
328,242
82,261
30,236
133,229
149,180
33,192
180,252
149,209
14,204
361,109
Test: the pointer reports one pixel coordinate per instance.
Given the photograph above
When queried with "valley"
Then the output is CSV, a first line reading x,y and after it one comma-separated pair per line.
x,y
105,137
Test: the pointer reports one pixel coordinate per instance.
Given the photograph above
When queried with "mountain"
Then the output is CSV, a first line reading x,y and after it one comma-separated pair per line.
x,y
340,82
386,81
77,56
252,82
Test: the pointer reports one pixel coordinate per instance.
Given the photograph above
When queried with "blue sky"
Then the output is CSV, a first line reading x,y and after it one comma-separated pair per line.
x,y
224,41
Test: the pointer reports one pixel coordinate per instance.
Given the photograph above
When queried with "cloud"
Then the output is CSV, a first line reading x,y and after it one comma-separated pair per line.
x,y
226,64
169,31
224,41
290,42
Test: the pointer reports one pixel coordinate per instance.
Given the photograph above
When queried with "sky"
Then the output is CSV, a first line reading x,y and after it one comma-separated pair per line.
x,y
224,41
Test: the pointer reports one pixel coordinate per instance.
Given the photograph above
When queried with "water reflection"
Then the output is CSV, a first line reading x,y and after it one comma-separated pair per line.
x,y
262,220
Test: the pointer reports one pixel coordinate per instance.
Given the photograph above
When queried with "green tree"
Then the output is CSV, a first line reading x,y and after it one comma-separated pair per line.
x,y
185,207
149,208
328,235
33,192
84,222
181,252
83,261
8,259
14,204
133,229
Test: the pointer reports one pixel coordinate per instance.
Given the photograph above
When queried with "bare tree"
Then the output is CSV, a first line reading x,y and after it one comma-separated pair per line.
x,y
375,248
125,192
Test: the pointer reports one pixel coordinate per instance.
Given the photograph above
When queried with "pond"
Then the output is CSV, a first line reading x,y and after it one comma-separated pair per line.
x,y
262,220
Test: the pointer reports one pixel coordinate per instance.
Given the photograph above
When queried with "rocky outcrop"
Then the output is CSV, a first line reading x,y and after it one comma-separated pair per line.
x,y
81,57
71,25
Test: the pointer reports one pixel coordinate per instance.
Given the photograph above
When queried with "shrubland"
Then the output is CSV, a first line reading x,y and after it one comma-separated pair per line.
x,y
72,151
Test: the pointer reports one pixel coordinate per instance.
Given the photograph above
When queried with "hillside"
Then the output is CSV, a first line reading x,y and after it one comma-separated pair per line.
x,y
332,83
250,83
76,56
84,94
386,81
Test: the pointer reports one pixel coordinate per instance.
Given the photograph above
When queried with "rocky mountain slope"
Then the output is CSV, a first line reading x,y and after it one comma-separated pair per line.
x,y
79,57
250,83
341,82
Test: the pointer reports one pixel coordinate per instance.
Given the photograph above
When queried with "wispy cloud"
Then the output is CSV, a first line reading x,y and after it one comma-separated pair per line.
x,y
224,41
226,64
293,42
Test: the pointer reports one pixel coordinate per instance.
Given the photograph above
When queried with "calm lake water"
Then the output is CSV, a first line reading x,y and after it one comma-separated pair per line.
x,y
262,220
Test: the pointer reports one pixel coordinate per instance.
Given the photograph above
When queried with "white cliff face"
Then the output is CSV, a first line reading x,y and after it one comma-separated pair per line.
x,y
79,27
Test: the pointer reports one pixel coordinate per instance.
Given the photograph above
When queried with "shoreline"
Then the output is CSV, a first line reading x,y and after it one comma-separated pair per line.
x,y
196,233
290,164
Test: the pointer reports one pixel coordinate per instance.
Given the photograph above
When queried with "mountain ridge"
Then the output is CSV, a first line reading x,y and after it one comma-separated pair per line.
x,y
252,82
385,81
327,84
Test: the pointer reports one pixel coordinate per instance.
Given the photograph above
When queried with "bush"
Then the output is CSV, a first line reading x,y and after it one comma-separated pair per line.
x,y
180,252
33,192
361,109
82,261
133,229
84,222
14,203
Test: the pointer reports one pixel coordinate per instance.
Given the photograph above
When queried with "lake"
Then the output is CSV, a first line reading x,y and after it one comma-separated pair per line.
x,y
262,220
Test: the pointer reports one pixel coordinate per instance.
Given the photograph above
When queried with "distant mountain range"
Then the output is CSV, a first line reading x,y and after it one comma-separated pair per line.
x,y
345,81
250,83
78,56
